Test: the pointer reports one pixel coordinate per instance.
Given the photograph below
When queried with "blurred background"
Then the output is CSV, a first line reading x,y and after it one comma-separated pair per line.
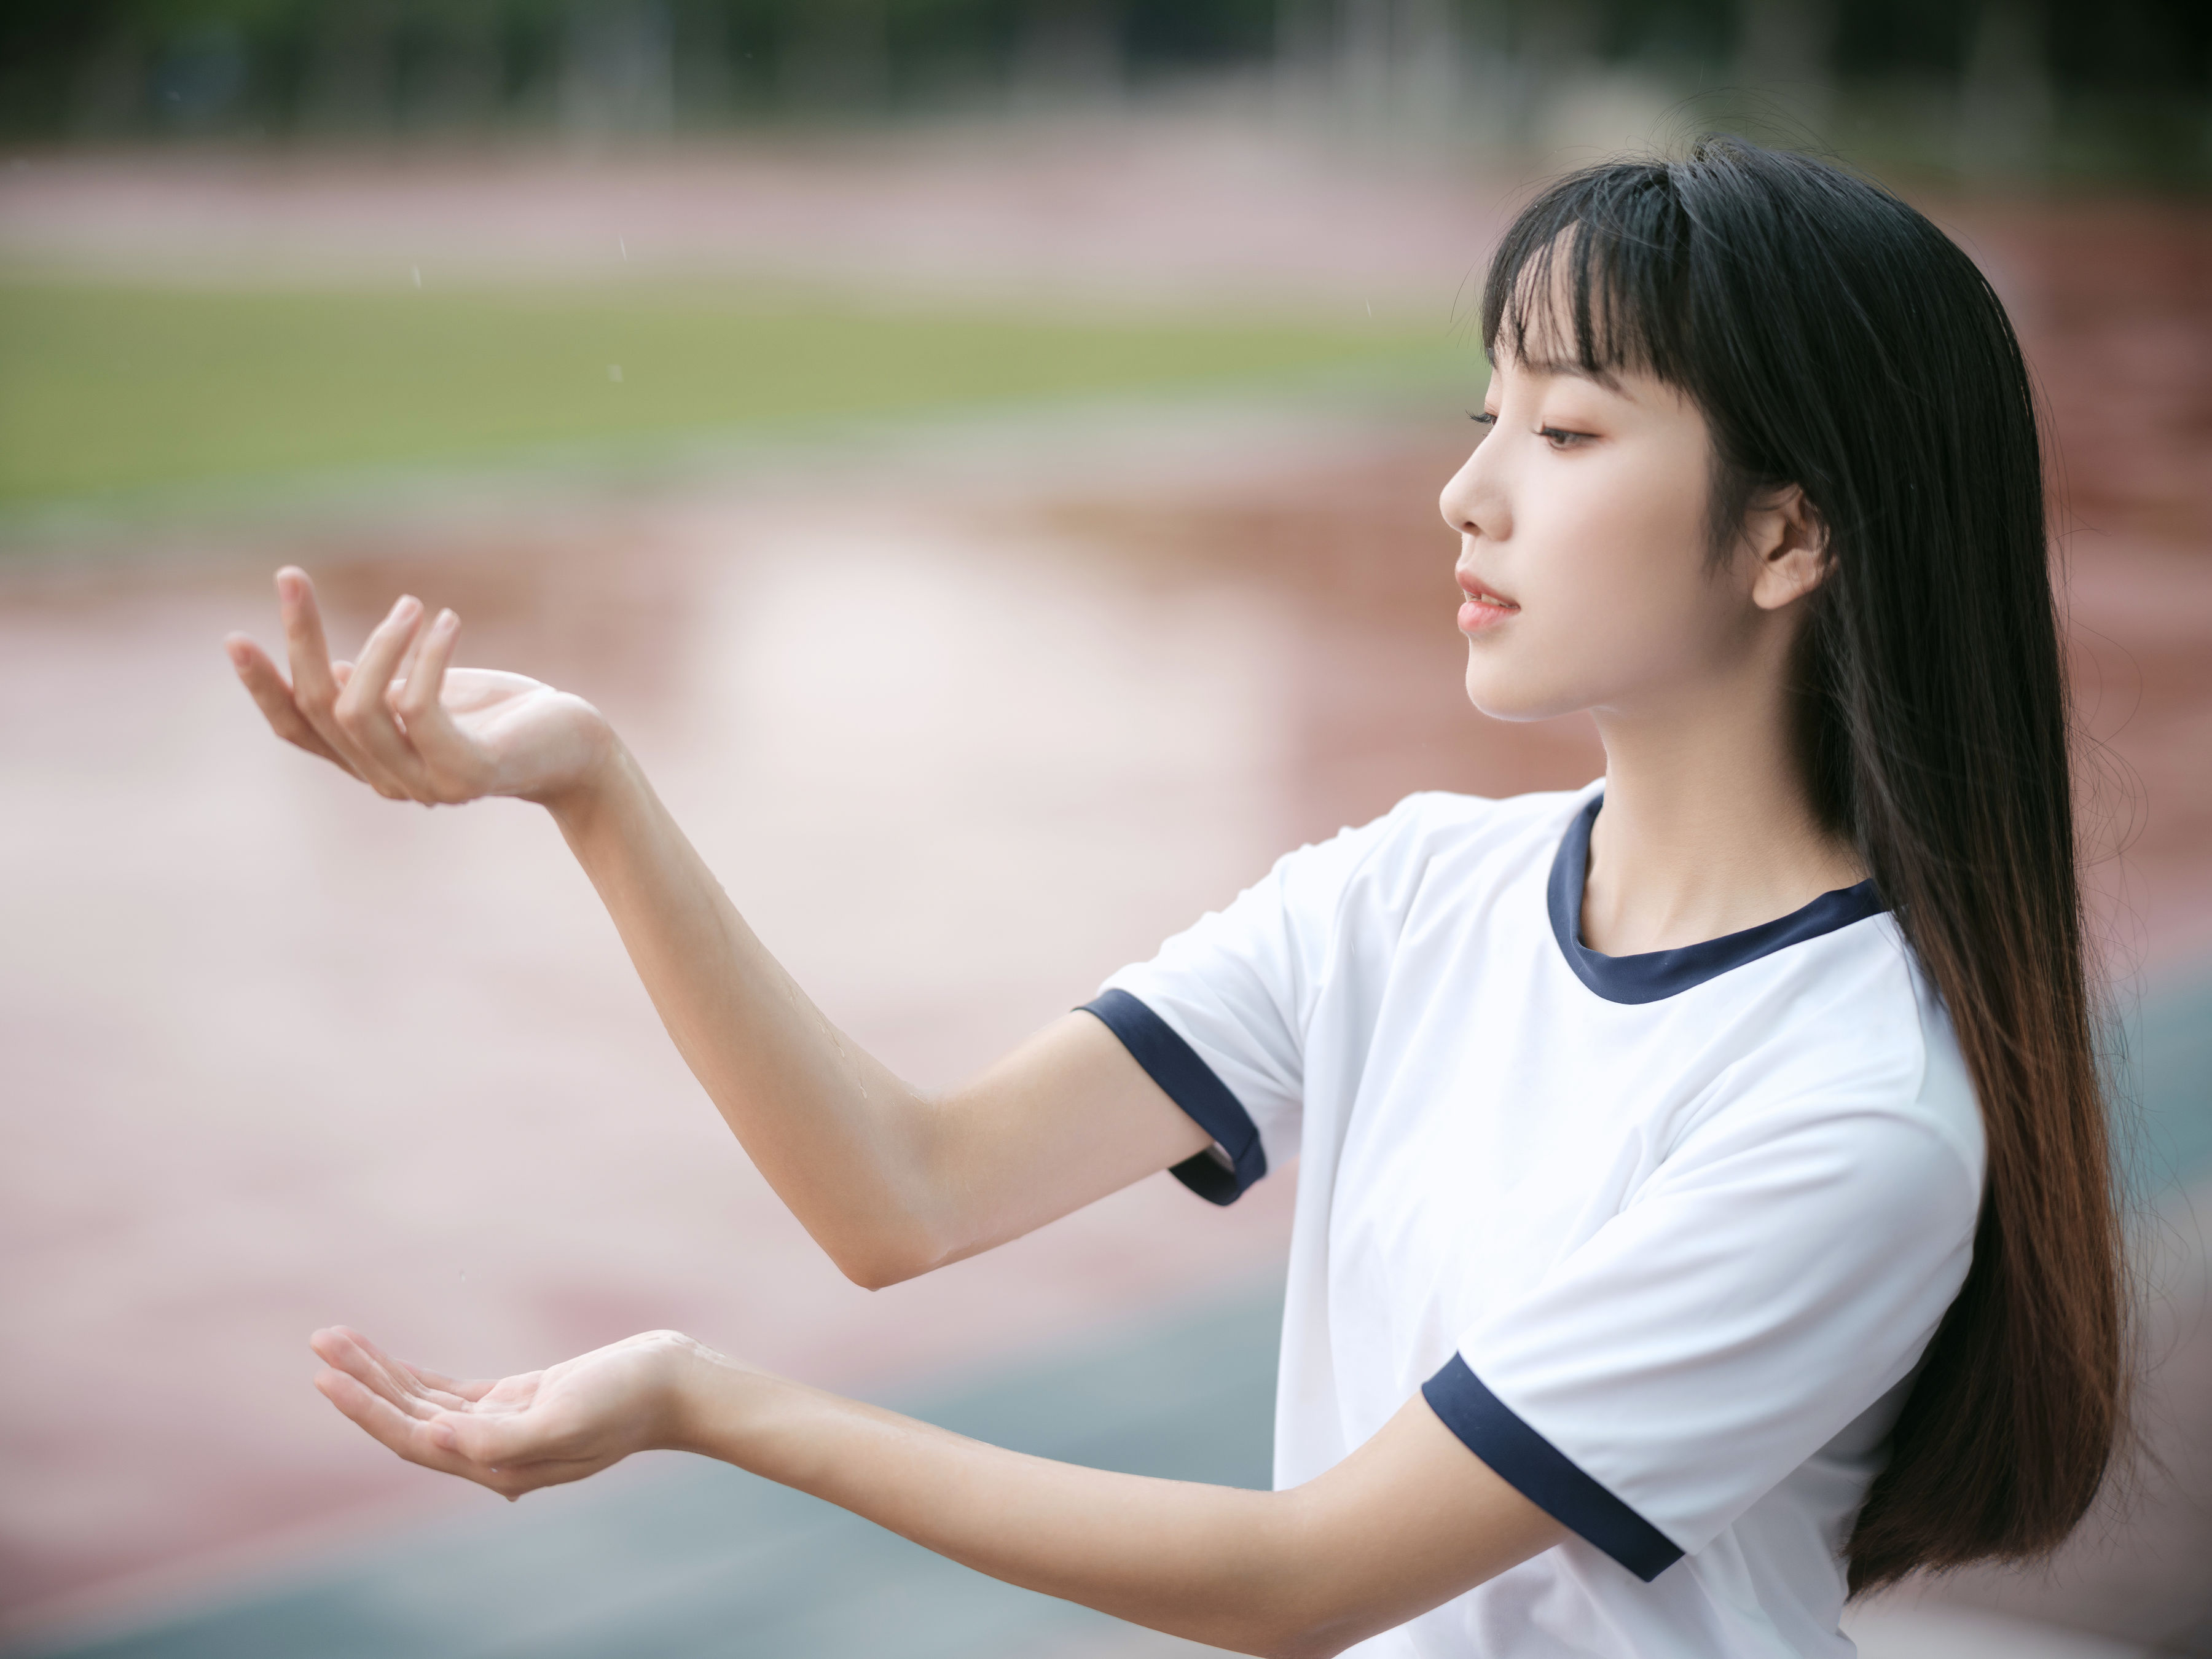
x,y
2020,89
1026,413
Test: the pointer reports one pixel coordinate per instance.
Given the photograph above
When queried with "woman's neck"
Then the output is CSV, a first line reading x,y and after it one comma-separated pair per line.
x,y
1708,828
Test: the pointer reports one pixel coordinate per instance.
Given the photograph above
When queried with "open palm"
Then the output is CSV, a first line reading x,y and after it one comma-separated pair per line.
x,y
511,735
516,1433
404,721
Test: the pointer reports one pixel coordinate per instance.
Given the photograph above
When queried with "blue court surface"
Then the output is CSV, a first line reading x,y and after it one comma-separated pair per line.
x,y
680,1556
2165,1073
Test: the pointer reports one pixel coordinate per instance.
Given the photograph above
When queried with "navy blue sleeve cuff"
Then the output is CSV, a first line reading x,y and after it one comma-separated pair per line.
x,y
1190,1083
1544,1474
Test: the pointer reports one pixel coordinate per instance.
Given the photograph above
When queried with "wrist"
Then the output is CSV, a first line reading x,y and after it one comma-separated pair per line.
x,y
711,1402
604,769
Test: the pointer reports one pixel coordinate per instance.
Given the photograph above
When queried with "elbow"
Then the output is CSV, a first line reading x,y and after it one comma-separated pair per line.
x,y
885,1257
1271,1638
874,1271
1303,1642
1287,1624
1308,1613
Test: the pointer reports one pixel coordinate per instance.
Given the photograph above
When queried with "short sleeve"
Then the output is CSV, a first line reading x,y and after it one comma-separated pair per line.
x,y
1218,1017
1780,1273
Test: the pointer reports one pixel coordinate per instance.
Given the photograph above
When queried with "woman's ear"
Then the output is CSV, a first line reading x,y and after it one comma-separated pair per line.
x,y
1789,543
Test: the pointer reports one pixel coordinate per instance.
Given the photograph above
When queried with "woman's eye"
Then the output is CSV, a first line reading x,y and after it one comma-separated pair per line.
x,y
1482,417
1559,438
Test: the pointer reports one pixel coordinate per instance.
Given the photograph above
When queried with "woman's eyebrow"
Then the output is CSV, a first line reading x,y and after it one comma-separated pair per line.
x,y
1570,369
1557,368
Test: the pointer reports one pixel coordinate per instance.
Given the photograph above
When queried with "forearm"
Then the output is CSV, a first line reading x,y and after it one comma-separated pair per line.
x,y
1211,1564
889,1183
1405,1523
837,1134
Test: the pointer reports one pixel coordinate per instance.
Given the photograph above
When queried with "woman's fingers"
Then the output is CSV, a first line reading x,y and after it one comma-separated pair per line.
x,y
316,688
413,1438
439,1382
265,685
312,688
407,658
453,764
361,711
346,1348
385,716
358,1380
413,1390
449,1425
418,697
369,1366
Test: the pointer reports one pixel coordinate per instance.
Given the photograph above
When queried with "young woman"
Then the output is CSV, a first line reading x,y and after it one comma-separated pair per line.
x,y
1702,1204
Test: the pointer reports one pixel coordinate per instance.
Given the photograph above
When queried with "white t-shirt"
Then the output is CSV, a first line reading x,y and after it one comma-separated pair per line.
x,y
1660,1237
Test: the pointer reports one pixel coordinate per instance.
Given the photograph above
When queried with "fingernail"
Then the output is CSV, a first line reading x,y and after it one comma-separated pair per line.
x,y
447,619
404,605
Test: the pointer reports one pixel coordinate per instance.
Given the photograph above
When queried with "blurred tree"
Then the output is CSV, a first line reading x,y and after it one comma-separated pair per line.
x,y
619,69
2016,85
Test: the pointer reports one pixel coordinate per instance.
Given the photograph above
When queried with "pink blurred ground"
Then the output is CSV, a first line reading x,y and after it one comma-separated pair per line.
x,y
281,1054
1151,211
286,1055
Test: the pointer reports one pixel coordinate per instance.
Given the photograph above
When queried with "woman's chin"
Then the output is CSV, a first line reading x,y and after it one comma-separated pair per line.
x,y
1505,699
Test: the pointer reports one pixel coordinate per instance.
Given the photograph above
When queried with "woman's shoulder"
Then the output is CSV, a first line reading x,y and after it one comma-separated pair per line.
x,y
1433,822
1852,1028
1433,847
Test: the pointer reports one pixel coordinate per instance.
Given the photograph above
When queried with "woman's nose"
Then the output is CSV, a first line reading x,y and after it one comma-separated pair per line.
x,y
1472,503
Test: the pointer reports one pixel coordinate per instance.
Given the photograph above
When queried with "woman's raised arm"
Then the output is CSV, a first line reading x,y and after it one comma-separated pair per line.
x,y
890,1181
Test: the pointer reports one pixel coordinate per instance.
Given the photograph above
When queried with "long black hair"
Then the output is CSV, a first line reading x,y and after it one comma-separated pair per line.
x,y
1835,340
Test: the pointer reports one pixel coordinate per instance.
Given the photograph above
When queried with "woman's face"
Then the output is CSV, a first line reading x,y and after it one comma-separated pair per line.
x,y
1584,538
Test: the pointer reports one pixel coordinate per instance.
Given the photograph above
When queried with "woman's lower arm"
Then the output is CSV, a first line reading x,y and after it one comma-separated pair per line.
x,y
835,1134
1405,1523
1207,1563
891,1184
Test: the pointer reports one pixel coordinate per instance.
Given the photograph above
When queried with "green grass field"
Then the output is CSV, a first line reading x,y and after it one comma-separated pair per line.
x,y
105,391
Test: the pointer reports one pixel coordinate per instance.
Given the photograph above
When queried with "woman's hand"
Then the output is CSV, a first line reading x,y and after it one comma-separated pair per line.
x,y
1407,1521
521,1432
408,725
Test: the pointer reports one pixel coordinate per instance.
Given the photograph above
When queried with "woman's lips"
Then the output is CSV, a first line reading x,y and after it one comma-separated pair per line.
x,y
1482,609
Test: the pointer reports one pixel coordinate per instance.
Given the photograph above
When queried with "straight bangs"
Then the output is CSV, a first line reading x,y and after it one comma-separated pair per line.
x,y
1605,273
1593,275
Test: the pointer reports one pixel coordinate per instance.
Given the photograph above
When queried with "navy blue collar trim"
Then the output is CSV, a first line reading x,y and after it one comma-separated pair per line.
x,y
1660,974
